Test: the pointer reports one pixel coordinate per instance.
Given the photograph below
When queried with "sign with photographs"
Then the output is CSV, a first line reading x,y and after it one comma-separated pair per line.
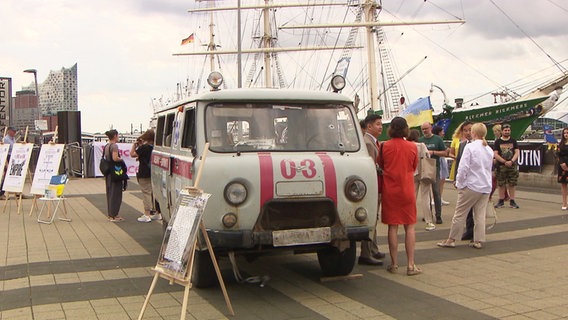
x,y
47,166
18,167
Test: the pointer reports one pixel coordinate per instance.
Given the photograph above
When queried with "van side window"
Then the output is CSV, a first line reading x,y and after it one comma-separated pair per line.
x,y
169,128
160,131
188,138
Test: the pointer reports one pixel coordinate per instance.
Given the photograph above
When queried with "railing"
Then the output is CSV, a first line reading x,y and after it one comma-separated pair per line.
x,y
73,163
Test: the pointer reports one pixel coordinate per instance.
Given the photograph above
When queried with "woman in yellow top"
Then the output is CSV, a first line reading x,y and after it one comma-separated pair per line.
x,y
457,138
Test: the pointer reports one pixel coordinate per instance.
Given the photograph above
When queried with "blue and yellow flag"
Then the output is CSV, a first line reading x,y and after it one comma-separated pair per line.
x,y
549,137
418,112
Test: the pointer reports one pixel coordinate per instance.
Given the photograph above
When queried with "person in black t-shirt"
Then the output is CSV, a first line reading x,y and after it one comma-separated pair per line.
x,y
506,153
142,151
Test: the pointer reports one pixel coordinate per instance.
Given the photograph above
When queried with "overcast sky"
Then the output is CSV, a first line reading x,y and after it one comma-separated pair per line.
x,y
124,48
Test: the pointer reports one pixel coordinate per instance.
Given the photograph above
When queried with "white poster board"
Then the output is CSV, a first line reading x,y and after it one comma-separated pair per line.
x,y
18,167
177,246
47,166
123,151
4,148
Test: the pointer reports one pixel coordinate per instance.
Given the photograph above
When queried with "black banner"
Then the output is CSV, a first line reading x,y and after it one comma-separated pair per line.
x,y
531,157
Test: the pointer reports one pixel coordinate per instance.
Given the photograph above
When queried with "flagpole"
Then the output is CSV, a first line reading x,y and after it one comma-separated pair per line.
x,y
239,40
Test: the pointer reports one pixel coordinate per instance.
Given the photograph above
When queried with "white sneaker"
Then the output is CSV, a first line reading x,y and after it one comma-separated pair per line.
x,y
157,216
445,203
430,226
144,218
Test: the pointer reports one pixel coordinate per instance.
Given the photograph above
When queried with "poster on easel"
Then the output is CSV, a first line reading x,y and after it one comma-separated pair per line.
x,y
4,149
179,238
18,167
47,166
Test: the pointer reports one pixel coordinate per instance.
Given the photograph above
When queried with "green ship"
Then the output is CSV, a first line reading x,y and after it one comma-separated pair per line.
x,y
520,113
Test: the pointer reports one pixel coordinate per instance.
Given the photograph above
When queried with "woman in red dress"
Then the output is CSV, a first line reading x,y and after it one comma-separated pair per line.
x,y
399,159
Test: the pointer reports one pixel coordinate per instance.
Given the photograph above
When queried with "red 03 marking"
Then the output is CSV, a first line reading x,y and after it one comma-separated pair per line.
x,y
289,169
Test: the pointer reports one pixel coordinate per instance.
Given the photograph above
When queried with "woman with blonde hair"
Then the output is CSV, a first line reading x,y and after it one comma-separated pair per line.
x,y
473,182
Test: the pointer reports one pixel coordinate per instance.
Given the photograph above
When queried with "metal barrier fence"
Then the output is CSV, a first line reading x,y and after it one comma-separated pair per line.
x,y
77,161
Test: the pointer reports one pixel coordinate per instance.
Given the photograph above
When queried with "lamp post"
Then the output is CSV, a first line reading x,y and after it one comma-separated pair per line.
x,y
34,71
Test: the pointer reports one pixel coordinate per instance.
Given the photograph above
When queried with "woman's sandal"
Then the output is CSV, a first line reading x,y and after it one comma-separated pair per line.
x,y
447,244
476,245
393,268
413,270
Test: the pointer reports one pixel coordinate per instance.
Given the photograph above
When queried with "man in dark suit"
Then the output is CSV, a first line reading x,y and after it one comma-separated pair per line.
x,y
370,254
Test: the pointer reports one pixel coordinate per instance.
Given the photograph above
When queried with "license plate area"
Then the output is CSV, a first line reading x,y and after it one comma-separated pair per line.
x,y
283,238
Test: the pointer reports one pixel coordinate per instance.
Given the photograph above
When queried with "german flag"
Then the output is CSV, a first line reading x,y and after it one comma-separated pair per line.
x,y
188,39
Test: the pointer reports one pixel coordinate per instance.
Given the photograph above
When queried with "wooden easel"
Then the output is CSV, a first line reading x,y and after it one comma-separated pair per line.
x,y
16,194
186,279
36,196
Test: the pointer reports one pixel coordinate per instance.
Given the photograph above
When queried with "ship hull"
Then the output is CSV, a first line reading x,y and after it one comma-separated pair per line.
x,y
519,114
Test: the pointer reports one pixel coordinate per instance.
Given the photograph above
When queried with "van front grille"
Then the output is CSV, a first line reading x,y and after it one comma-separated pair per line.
x,y
296,214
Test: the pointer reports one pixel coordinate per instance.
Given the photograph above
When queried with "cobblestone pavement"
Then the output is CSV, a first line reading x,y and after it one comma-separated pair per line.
x,y
90,268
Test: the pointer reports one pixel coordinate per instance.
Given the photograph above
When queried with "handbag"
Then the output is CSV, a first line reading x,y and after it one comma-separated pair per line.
x,y
563,177
491,213
427,170
118,172
105,165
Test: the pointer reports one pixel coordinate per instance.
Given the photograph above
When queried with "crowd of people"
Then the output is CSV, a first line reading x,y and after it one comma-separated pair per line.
x,y
477,170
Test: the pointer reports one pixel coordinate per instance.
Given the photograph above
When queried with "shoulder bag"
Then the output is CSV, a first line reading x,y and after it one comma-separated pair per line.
x,y
105,165
427,170
491,213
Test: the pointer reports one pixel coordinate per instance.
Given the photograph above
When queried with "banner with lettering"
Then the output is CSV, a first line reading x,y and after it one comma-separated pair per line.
x,y
5,100
123,150
531,157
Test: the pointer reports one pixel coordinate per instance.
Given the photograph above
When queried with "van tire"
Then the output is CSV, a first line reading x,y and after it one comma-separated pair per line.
x,y
335,263
203,275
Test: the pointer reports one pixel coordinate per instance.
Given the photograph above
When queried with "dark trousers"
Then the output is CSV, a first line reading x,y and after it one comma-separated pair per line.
x,y
469,224
114,196
437,198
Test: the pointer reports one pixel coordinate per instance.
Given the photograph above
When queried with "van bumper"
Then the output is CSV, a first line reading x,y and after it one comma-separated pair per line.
x,y
246,239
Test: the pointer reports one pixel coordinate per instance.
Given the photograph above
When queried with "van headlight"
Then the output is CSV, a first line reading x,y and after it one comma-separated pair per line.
x,y
235,193
355,189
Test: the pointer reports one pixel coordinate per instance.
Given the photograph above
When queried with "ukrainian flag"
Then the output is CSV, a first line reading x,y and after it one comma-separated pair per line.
x,y
418,112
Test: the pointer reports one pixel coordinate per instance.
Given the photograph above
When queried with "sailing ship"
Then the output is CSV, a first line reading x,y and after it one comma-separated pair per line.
x,y
384,97
520,113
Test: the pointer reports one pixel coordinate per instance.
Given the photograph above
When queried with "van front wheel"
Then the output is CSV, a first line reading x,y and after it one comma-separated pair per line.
x,y
336,263
203,275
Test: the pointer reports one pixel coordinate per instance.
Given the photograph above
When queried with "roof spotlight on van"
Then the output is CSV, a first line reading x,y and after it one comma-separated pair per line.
x,y
337,83
355,189
235,193
215,80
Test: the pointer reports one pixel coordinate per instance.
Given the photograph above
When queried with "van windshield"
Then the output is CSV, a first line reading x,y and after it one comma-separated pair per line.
x,y
290,127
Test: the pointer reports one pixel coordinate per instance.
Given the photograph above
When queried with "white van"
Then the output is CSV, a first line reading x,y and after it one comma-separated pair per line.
x,y
287,169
